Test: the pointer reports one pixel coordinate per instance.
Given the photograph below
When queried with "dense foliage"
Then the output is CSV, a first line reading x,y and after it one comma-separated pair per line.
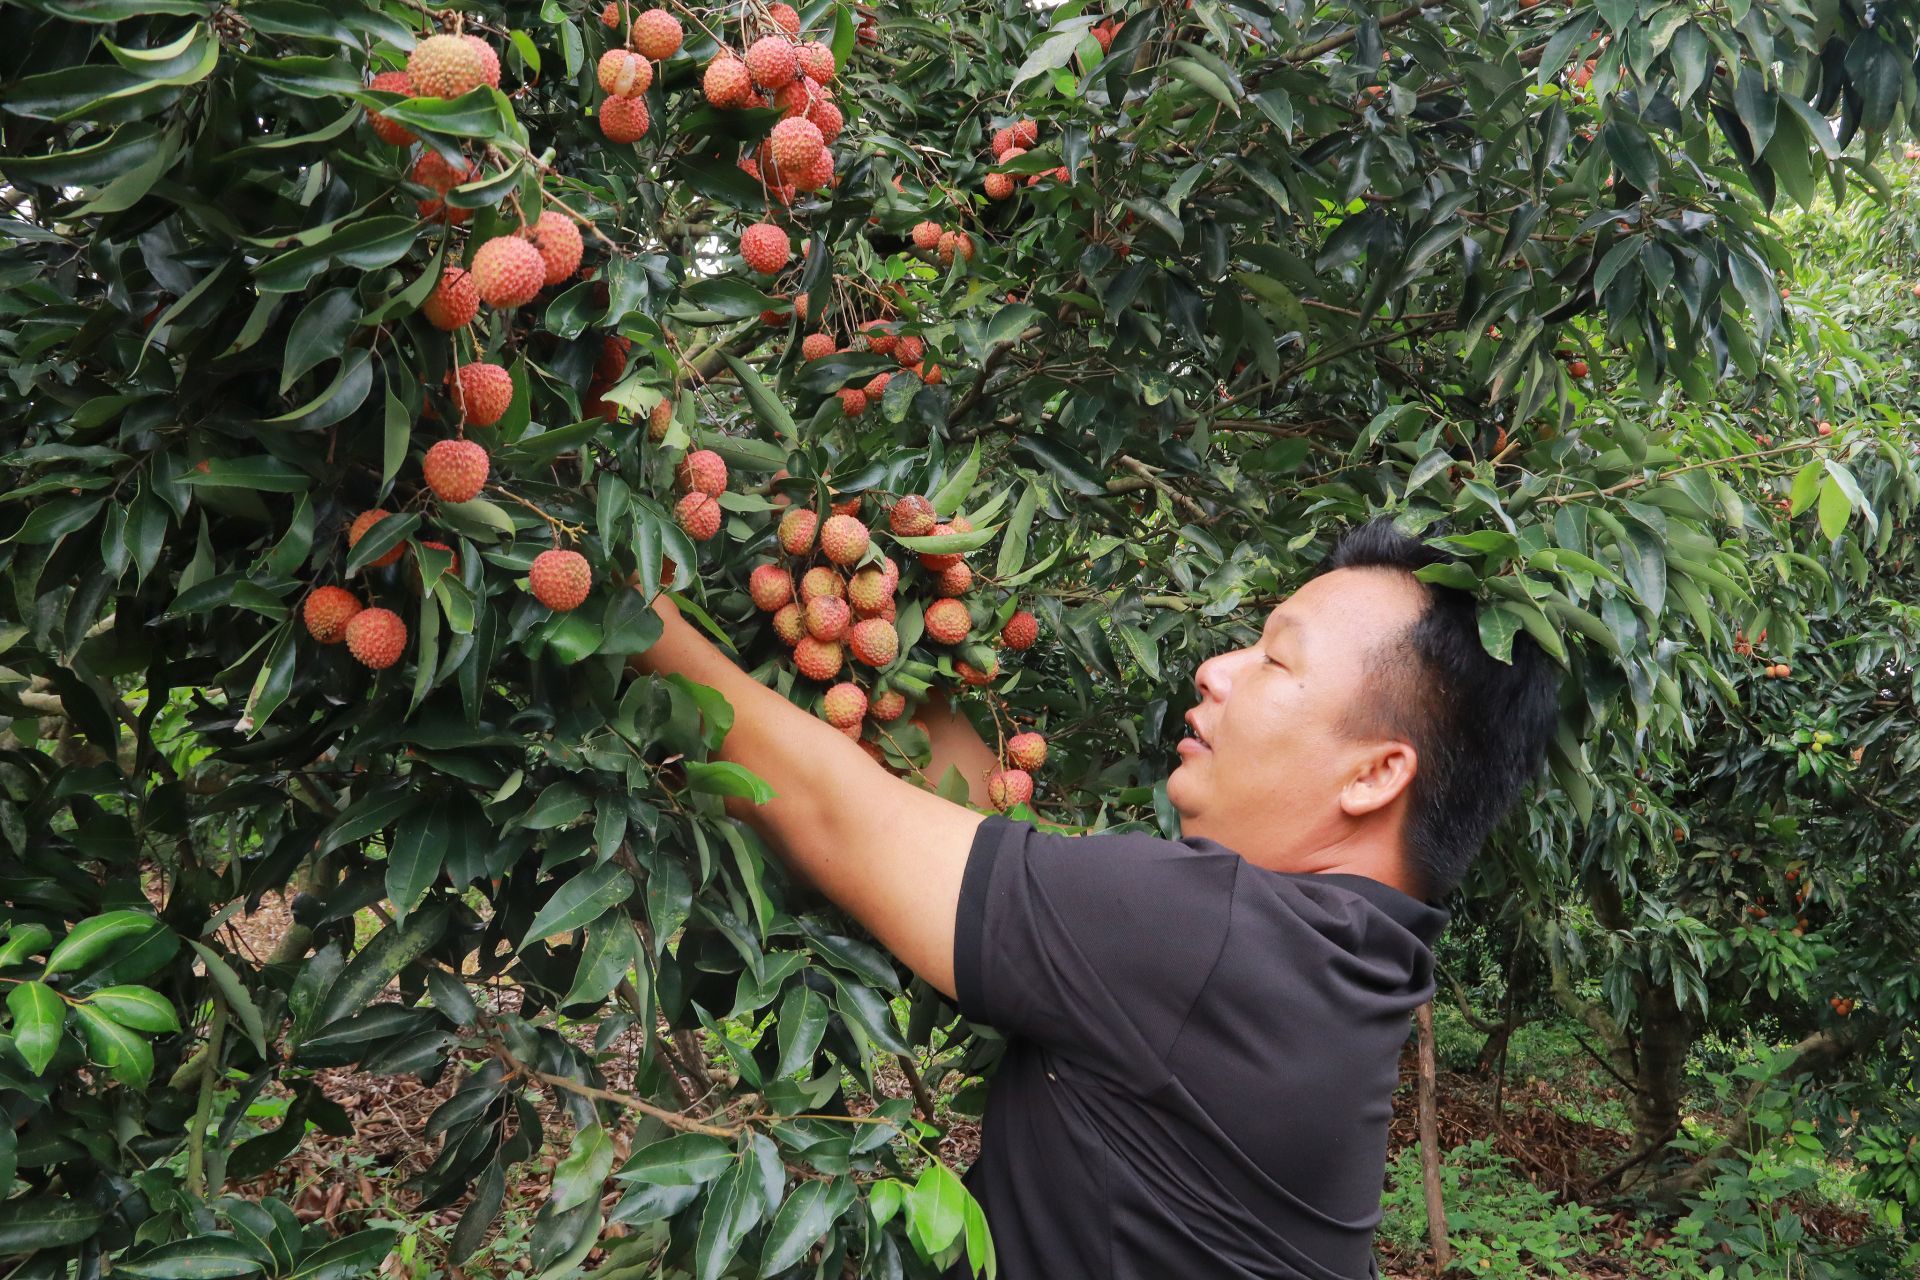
x,y
1510,271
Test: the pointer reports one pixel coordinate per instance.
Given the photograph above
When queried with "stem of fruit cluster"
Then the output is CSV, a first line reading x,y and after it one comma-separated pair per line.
x,y
574,532
672,1119
1638,481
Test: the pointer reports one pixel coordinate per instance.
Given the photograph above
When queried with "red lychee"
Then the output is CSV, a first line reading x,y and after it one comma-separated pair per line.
x,y
821,581
940,561
613,358
999,186
560,579
456,470
877,386
699,515
827,618
1008,788
954,244
358,530
434,172
623,120
816,61
795,144
1002,140
1027,751
770,586
874,642
624,73
955,580
445,67
454,301
844,704
947,621
508,271
817,659
489,60
482,392
558,241
389,132
853,401
789,623
844,539
909,351
610,13
656,33
784,16
772,62
328,611
826,118
974,675
1025,133
912,517
376,637
1021,631
926,235
797,529
887,705
869,590
726,82
765,247
817,346
702,471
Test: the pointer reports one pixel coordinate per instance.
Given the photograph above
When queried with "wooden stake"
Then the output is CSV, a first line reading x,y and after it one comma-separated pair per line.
x,y
1430,1142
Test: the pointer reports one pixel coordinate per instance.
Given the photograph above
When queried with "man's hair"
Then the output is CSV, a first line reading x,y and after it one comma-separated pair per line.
x,y
1480,726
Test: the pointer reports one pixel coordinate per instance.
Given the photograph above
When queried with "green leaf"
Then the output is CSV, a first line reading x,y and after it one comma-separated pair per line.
x,y
239,1004
725,778
578,1178
346,1257
391,950
766,406
319,333
945,542
91,940
24,940
936,1208
1204,80
953,494
419,848
581,899
806,1216
30,1223
39,1018
1498,627
732,1210
1835,509
610,952
126,1056
138,1008
198,1258
684,1160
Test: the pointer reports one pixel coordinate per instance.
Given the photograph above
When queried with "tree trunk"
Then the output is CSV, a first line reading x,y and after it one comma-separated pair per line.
x,y
1430,1142
1666,1035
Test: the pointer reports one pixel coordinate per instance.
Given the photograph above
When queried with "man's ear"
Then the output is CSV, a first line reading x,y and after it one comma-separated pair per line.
x,y
1384,775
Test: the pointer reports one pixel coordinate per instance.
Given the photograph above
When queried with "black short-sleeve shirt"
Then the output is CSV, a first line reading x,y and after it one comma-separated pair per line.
x,y
1201,1056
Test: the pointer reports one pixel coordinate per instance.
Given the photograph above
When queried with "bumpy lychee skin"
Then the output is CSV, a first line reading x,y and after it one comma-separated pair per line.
x,y
817,346
816,61
624,120
820,177
560,579
797,529
817,659
613,358
358,530
973,675
508,271
789,623
772,62
869,590
624,73
702,471
926,235
887,705
489,60
877,387
456,470
1008,788
770,586
954,244
821,581
909,351
610,13
947,621
1002,141
433,172
999,186
1025,133
826,118
765,247
954,580
853,401
1027,751
328,611
796,144
388,131
699,515
784,16
940,561
912,517
376,637
482,391
445,67
454,302
659,418
726,83
844,539
656,33
892,570
1021,631
827,618
844,704
558,240
874,642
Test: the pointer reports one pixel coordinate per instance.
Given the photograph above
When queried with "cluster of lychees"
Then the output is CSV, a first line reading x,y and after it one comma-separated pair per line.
x,y
780,70
945,243
626,74
1009,144
701,478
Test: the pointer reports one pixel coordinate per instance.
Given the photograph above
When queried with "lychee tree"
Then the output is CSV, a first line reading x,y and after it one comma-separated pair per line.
x,y
371,364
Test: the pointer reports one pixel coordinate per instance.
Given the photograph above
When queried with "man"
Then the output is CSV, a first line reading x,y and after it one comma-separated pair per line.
x,y
1203,1034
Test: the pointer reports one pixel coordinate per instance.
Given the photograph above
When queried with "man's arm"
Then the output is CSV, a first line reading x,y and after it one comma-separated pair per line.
x,y
955,743
891,854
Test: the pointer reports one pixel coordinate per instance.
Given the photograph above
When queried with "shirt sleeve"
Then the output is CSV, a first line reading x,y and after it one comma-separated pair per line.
x,y
1094,946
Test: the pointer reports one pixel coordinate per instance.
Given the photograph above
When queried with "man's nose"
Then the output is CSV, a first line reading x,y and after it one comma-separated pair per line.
x,y
1214,679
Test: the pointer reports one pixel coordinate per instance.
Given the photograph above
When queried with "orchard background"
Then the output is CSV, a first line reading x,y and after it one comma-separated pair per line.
x,y
361,912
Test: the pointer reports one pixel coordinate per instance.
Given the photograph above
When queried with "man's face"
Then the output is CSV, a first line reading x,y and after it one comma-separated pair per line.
x,y
1268,770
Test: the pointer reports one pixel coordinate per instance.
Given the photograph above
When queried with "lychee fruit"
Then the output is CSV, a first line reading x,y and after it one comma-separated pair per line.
x,y
702,471
853,401
358,530
796,144
699,515
1021,631
726,83
454,301
558,241
909,351
797,529
765,247
827,618
817,659
928,373
624,73
887,705
955,580
445,67
1002,140
844,539
939,561
389,131
826,118
820,177
489,60
623,120
659,418
482,392
434,172
1008,788
1027,751
959,524
328,611
1025,133
974,675
877,387
509,271
912,517
785,17
656,33
376,637
999,186
947,621
879,337
874,642
892,570
610,14
612,362
816,61
926,235
789,623
453,568
560,579
844,704
816,346
772,62
770,586
869,589
821,581
954,244
456,470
